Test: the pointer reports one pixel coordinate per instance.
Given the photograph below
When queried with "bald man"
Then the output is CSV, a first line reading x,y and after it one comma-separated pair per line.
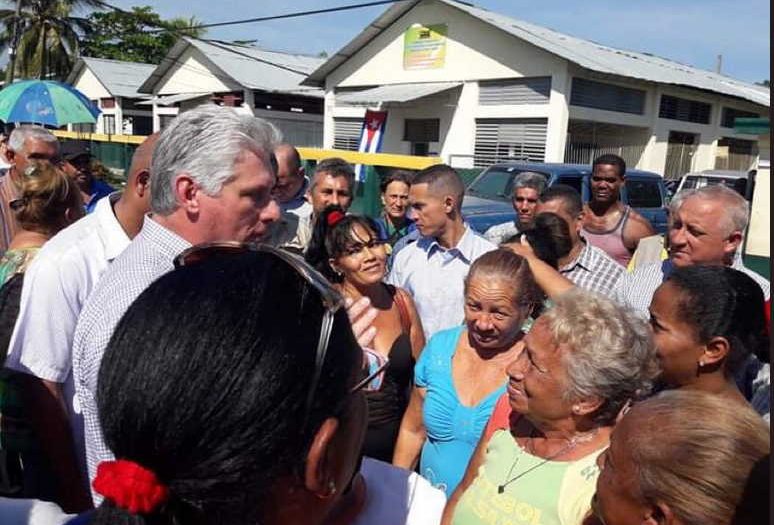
x,y
55,288
291,184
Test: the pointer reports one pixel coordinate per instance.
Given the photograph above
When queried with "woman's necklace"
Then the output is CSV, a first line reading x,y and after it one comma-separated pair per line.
x,y
571,444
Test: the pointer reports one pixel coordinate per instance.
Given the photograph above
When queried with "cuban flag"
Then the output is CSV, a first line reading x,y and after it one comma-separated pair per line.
x,y
370,137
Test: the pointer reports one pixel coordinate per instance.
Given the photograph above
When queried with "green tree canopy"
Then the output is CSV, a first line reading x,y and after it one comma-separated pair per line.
x,y
132,36
48,36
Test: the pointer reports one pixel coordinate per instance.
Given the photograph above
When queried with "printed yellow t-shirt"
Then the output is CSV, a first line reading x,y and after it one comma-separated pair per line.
x,y
548,492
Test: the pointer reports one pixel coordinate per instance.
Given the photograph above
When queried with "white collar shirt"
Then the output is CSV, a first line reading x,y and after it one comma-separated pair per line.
x,y
636,289
56,286
149,256
435,276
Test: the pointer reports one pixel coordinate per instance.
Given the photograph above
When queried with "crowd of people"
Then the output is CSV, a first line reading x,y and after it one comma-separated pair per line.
x,y
221,341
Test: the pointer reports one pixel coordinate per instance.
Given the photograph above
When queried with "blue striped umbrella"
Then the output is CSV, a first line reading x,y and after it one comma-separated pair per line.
x,y
45,102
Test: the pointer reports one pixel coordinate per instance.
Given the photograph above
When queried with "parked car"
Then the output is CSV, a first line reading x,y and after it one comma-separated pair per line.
x,y
741,181
488,198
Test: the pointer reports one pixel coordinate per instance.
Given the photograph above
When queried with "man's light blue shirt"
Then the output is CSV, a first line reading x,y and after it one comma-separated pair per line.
x,y
435,276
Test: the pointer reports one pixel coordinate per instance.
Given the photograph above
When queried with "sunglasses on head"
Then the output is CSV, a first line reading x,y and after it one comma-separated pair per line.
x,y
374,364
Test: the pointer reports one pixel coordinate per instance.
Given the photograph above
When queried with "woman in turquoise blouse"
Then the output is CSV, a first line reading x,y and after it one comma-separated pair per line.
x,y
461,371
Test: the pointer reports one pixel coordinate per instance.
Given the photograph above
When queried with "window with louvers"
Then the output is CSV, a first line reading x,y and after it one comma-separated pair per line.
x,y
730,115
500,140
531,90
683,109
599,95
346,133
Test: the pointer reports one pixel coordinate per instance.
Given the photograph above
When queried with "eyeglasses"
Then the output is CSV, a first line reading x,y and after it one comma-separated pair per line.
x,y
374,364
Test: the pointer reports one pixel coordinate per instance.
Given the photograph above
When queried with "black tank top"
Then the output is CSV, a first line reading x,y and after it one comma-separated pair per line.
x,y
386,407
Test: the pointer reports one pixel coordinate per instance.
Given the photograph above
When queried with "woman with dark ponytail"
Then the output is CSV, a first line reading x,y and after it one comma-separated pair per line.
x,y
231,393
347,249
707,323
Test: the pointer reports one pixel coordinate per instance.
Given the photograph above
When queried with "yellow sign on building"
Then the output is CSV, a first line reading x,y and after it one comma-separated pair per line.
x,y
424,47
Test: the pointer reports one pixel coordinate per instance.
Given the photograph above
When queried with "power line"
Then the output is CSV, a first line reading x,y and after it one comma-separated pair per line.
x,y
225,46
285,16
161,28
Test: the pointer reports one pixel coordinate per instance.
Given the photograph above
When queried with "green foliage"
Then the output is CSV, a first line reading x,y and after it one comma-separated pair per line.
x,y
130,36
48,36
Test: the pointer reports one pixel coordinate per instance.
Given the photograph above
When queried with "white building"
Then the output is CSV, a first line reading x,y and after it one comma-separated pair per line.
x,y
257,81
476,87
112,86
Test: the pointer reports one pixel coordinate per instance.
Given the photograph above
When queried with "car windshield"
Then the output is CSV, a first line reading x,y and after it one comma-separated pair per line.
x,y
738,184
496,183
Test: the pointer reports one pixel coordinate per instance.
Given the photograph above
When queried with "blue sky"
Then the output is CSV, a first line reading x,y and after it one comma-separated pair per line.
x,y
692,31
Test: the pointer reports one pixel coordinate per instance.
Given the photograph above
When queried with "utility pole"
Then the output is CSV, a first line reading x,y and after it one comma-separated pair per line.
x,y
719,64
14,44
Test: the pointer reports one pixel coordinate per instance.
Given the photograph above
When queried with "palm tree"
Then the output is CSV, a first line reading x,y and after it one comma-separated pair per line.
x,y
48,36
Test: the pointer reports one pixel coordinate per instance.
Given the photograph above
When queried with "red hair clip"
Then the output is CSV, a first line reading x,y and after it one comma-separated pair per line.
x,y
130,486
335,217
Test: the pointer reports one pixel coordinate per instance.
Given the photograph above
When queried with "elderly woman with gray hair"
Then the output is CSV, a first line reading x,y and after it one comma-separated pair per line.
x,y
583,361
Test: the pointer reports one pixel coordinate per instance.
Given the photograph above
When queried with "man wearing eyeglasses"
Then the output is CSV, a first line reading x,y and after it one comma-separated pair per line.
x,y
25,143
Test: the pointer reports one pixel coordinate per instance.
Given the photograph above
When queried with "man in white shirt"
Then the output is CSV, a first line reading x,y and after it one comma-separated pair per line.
x,y
290,192
212,177
55,288
292,185
706,227
433,269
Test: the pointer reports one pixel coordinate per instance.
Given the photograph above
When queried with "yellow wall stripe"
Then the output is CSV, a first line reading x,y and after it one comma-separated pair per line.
x,y
354,157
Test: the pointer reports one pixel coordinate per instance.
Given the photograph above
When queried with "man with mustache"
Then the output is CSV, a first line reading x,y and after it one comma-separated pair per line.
x,y
527,187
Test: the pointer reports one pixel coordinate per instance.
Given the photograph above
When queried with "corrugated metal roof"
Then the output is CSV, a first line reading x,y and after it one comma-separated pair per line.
x,y
395,92
589,55
120,78
248,66
172,99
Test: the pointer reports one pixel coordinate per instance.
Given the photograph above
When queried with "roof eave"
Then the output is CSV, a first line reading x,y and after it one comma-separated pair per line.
x,y
76,70
166,64
317,77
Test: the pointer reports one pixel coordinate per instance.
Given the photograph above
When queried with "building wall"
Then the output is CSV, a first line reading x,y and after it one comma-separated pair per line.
x,y
476,51
88,84
654,157
473,52
299,129
192,74
759,235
